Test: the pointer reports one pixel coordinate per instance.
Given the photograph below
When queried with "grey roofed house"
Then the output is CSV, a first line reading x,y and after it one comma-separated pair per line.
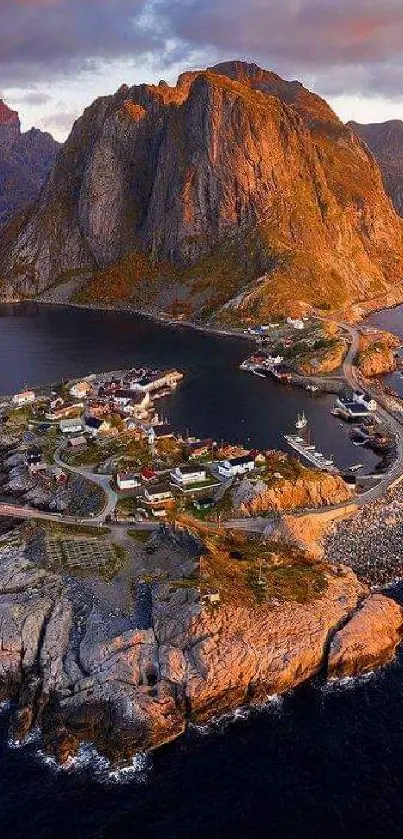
x,y
161,431
77,442
191,469
158,489
241,461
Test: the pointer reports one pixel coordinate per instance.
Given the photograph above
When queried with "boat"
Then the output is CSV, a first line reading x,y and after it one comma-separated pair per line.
x,y
356,467
302,421
256,373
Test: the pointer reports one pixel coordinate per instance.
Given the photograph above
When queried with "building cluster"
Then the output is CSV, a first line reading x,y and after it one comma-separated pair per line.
x,y
355,405
158,490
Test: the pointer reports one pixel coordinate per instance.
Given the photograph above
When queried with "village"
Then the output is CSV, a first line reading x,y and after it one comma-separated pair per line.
x,y
99,448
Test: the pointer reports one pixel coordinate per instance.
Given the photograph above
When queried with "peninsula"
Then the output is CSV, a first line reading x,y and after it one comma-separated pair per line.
x,y
150,579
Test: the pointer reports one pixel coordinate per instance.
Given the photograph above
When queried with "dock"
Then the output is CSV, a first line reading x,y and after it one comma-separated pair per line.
x,y
310,454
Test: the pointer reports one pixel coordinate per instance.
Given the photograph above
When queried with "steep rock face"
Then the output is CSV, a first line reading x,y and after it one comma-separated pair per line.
x,y
385,139
368,640
230,176
25,162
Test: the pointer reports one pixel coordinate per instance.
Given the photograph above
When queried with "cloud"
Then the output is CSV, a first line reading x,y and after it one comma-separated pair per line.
x,y
41,38
351,45
34,97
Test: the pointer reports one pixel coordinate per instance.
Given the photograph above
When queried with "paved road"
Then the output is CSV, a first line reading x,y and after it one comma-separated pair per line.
x,y
102,481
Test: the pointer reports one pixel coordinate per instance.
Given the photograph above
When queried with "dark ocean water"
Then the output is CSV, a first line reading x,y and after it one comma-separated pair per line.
x,y
42,344
324,761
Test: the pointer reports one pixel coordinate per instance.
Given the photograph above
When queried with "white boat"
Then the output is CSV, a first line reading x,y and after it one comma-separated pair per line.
x,y
356,467
302,421
256,373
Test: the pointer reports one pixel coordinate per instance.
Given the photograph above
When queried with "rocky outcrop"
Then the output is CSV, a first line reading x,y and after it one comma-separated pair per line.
x,y
368,640
232,181
377,353
317,489
82,672
385,139
25,162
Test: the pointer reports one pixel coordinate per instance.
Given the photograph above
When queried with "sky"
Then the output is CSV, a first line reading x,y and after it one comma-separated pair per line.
x,y
57,56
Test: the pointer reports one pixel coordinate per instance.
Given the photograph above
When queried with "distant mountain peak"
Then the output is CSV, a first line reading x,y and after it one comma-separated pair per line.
x,y
7,115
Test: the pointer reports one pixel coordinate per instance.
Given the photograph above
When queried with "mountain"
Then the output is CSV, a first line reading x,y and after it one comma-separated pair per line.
x,y
234,192
25,162
385,139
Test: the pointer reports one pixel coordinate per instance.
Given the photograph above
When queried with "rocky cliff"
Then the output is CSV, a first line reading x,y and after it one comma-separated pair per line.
x,y
84,672
315,489
385,139
233,187
377,353
25,162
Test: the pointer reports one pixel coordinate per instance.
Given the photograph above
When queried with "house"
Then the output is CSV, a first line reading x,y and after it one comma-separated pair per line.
x,y
74,425
24,398
185,476
157,493
236,466
64,412
95,425
150,382
80,390
127,480
212,598
159,432
77,443
296,323
33,456
204,504
200,448
147,474
364,399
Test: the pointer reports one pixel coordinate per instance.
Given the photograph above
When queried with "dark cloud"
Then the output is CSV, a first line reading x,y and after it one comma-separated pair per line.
x,y
345,46
41,38
337,46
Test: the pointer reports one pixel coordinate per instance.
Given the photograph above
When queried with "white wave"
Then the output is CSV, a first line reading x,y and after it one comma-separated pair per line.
x,y
271,704
88,760
31,738
349,682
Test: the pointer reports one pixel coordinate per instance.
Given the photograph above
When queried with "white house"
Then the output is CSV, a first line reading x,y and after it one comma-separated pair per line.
x,y
158,492
72,426
296,323
236,466
185,476
127,480
80,390
24,398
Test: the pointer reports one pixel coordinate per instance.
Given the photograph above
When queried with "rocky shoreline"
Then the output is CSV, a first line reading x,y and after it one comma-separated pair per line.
x,y
83,670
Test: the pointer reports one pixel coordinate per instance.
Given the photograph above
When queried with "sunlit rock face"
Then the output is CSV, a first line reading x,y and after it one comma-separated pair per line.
x,y
231,176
